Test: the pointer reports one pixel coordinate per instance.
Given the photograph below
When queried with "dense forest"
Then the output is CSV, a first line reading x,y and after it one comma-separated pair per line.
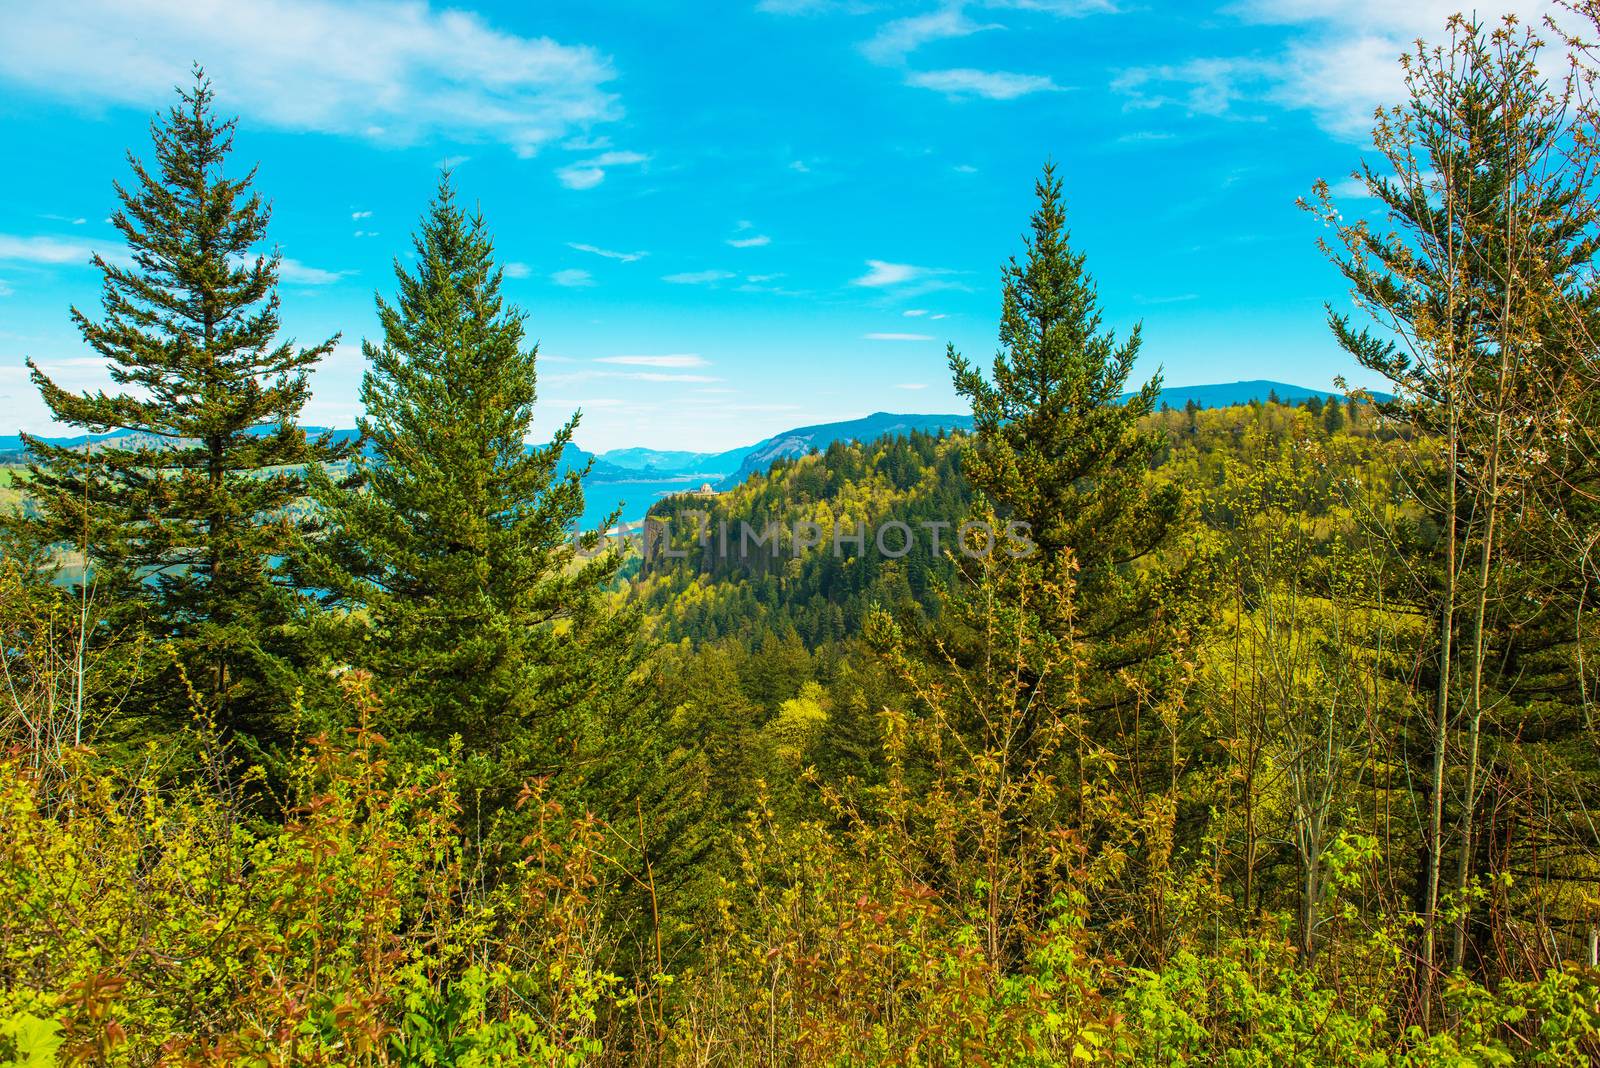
x,y
1275,743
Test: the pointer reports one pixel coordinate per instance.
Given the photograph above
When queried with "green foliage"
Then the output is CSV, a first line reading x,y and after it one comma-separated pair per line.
x,y
450,566
186,522
1053,444
145,921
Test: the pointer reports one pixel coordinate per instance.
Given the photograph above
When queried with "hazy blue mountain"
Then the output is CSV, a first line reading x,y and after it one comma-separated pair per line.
x,y
1222,394
713,465
801,440
11,451
641,466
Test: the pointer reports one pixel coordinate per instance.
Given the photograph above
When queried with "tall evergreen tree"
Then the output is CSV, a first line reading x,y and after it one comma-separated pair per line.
x,y
1054,445
1481,286
478,612
187,519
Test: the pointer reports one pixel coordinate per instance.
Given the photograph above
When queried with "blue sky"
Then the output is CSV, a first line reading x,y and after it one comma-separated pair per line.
x,y
725,219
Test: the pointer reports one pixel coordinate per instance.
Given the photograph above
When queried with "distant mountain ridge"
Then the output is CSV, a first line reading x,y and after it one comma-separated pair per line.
x,y
801,440
729,468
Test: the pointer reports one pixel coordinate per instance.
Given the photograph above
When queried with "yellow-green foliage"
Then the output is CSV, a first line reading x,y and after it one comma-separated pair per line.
x,y
12,480
147,924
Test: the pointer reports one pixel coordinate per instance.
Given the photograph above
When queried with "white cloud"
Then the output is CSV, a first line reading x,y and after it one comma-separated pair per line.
x,y
897,337
912,313
5,290
588,173
46,250
750,242
354,215
393,71
941,315
517,270
799,167
1350,189
1066,8
568,377
296,273
881,274
572,278
1205,86
625,257
696,278
964,168
896,40
1338,74
989,84
681,359
796,7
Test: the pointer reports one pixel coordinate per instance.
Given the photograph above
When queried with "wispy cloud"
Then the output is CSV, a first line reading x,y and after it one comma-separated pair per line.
x,y
896,40
517,270
1339,63
989,84
798,7
1066,8
677,359
624,257
1351,188
1145,137
897,337
572,278
356,215
881,274
588,173
389,71
568,377
1204,86
296,273
753,241
45,250
913,313
799,167
697,278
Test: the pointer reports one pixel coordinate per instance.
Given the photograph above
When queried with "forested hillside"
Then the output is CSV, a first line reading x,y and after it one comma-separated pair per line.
x,y
1099,731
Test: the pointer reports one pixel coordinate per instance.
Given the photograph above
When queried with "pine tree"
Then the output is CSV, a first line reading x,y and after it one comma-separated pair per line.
x,y
478,611
1054,445
188,518
1480,284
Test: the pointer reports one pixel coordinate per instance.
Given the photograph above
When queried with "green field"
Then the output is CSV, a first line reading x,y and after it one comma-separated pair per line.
x,y
11,479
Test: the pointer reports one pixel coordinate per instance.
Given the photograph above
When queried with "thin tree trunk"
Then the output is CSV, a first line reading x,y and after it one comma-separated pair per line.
x,y
1441,726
